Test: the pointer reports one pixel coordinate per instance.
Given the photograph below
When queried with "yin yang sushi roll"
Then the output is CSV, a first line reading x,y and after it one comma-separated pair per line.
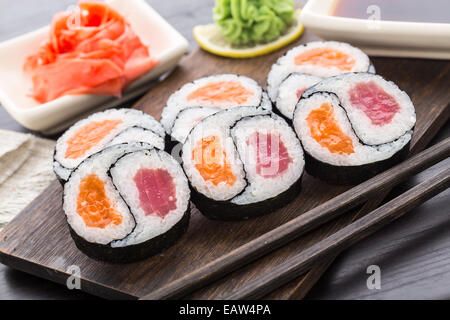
x,y
353,126
290,91
242,162
126,203
312,62
219,92
102,129
187,119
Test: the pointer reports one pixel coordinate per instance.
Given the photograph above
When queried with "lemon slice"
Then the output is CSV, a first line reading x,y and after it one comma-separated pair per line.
x,y
209,37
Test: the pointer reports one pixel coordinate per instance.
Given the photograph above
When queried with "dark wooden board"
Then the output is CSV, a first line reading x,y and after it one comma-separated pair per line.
x,y
38,241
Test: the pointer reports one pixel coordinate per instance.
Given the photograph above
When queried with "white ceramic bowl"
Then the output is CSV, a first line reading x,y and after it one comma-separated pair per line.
x,y
166,45
379,38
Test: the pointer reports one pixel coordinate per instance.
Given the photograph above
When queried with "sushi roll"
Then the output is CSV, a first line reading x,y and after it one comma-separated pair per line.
x,y
139,134
242,163
220,92
126,203
290,91
353,126
102,129
320,59
187,119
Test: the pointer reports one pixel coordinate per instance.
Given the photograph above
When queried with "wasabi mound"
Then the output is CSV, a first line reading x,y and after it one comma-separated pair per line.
x,y
246,22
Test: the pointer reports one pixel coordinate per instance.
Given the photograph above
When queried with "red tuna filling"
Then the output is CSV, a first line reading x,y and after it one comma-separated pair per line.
x,y
300,92
156,191
272,158
376,103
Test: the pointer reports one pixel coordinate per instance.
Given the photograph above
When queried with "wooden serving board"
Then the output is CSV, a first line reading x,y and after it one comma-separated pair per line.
x,y
38,240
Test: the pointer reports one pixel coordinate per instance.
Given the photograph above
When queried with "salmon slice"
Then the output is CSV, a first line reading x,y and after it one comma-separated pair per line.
x,y
376,103
272,157
326,131
221,92
94,206
211,161
88,137
326,57
92,52
157,193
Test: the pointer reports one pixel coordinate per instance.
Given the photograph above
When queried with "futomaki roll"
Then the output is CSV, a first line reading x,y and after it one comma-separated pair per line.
x,y
318,59
353,126
126,203
242,163
102,129
220,92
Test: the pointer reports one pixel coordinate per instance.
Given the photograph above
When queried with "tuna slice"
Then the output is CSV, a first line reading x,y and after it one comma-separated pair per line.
x,y
272,157
157,193
376,103
300,92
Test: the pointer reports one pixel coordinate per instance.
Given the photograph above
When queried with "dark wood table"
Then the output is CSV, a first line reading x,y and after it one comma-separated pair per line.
x,y
412,253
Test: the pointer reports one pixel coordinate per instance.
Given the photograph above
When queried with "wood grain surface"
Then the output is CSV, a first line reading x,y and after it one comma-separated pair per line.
x,y
38,241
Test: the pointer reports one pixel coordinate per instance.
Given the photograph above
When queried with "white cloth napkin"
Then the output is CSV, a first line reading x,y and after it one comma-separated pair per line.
x,y
25,171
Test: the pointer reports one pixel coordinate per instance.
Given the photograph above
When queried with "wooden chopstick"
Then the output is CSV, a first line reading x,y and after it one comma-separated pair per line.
x,y
344,238
289,231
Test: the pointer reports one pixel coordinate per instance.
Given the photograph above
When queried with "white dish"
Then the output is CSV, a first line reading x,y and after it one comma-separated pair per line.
x,y
378,37
166,45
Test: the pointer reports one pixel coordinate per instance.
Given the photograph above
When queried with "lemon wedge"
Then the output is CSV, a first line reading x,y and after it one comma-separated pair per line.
x,y
209,37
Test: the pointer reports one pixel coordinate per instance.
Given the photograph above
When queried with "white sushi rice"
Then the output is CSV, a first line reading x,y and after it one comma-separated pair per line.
x,y
179,101
137,134
218,125
369,133
363,154
187,119
99,165
149,226
287,94
61,172
286,64
263,188
129,117
265,101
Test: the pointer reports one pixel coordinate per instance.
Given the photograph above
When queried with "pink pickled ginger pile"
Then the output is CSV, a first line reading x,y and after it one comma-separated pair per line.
x,y
90,51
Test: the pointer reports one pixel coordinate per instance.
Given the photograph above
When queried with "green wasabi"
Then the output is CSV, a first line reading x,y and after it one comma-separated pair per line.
x,y
244,22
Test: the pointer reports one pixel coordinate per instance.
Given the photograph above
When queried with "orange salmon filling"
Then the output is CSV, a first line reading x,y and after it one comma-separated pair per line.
x,y
93,204
326,57
327,132
88,137
210,161
221,92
